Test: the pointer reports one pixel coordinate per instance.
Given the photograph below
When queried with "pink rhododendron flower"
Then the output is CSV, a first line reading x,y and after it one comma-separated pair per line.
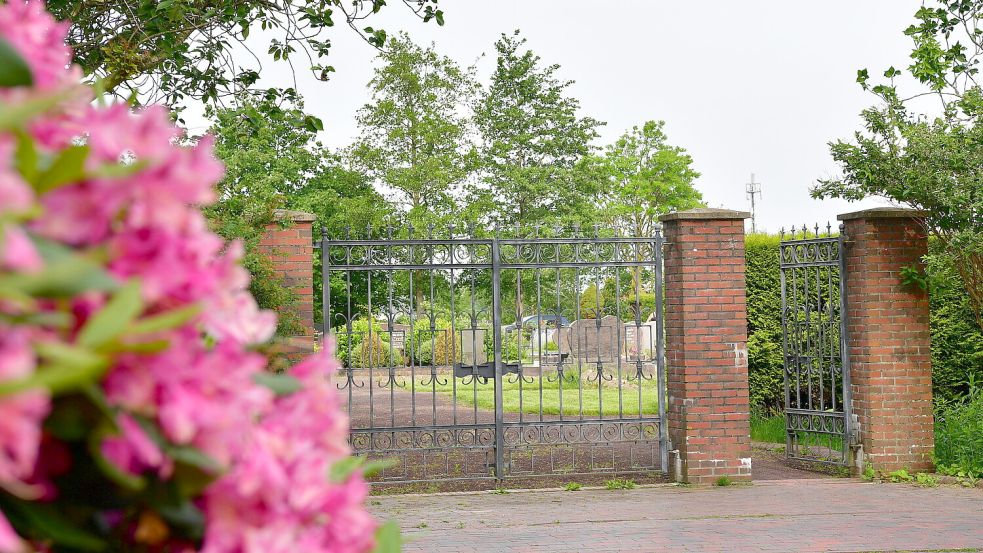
x,y
10,542
134,452
17,252
276,497
188,385
40,40
20,414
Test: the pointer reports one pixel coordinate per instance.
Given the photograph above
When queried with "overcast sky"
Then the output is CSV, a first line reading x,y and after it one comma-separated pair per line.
x,y
753,86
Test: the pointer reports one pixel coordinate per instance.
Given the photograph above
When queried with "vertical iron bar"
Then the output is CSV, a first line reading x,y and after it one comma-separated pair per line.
x,y
660,348
497,334
844,349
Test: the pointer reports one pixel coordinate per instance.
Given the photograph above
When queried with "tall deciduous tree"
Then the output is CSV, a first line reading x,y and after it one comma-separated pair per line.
x,y
646,177
273,161
649,177
169,50
932,162
414,139
531,140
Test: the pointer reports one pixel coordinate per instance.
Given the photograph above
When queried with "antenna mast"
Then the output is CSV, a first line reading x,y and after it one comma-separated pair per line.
x,y
753,189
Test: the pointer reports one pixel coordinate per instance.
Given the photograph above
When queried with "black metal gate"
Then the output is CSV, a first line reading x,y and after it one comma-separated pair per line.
x,y
469,357
814,335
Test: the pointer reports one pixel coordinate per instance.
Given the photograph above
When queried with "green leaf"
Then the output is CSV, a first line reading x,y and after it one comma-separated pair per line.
x,y
164,321
313,124
114,317
281,384
118,170
65,273
14,71
64,368
342,469
46,523
13,115
124,479
388,538
26,157
68,167
193,457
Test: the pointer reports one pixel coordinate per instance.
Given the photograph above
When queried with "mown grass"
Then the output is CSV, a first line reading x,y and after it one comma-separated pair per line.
x,y
579,396
772,430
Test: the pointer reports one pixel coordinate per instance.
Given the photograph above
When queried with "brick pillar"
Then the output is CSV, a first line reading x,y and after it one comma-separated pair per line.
x,y
706,345
289,246
889,339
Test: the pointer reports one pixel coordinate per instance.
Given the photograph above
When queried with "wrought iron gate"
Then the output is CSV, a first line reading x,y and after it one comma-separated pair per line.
x,y
814,337
469,357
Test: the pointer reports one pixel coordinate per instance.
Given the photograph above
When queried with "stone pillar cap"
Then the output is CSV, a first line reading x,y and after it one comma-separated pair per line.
x,y
704,213
883,213
293,216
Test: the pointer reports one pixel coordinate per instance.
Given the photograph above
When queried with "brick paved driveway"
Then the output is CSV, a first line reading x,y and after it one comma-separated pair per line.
x,y
792,515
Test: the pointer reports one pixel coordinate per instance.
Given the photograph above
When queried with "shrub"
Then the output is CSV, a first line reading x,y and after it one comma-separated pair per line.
x,y
376,352
142,415
346,343
959,434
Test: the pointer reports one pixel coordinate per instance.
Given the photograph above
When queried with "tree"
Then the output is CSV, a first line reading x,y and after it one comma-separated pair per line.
x,y
414,139
648,177
273,161
414,132
169,50
929,162
531,139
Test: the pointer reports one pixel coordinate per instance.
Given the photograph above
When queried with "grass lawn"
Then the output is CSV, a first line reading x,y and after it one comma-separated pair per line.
x,y
772,430
484,396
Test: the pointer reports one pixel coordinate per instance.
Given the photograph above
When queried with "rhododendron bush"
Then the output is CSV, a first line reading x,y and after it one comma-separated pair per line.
x,y
135,409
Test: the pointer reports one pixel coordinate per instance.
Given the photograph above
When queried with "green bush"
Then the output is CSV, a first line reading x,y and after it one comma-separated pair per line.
x,y
346,343
375,352
764,315
959,434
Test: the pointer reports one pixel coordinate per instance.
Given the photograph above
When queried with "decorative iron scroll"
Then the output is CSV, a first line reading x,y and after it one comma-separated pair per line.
x,y
816,363
437,329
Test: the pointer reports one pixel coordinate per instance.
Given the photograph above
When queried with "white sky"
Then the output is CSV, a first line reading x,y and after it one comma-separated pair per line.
x,y
752,86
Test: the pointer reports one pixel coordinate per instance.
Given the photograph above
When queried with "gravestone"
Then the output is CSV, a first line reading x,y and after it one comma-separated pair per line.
x,y
398,337
597,342
473,347
640,341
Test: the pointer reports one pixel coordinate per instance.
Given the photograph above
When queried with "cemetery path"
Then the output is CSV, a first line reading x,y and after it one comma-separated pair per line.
x,y
829,515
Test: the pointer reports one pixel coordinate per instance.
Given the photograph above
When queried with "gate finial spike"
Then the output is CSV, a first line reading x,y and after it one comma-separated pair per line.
x,y
430,230
781,234
829,229
817,229
324,232
450,229
348,232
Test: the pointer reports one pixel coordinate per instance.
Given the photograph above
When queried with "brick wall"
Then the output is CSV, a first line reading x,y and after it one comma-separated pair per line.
x,y
289,246
706,345
889,341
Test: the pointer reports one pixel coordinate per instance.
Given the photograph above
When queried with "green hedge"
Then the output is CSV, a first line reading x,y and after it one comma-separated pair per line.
x,y
957,343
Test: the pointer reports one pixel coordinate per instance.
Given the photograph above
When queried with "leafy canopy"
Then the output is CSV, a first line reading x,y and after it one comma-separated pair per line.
x,y
531,139
170,50
929,161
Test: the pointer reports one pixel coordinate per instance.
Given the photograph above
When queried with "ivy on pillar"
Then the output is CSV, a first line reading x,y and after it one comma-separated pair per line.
x,y
288,244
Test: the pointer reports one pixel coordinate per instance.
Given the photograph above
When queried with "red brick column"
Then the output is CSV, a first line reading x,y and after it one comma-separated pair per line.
x,y
706,345
289,245
889,339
